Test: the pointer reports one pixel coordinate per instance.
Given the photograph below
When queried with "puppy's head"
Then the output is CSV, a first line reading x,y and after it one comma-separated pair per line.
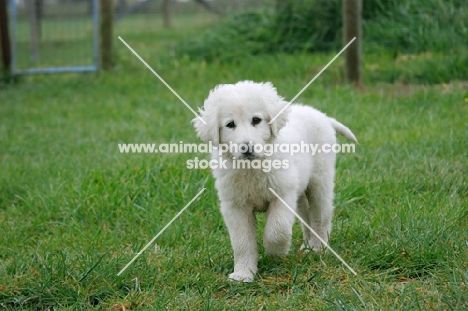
x,y
239,115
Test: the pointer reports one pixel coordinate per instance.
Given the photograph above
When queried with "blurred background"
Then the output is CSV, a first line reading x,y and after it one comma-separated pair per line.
x,y
74,209
65,33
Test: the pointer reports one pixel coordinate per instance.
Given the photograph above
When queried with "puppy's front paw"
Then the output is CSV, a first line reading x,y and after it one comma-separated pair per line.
x,y
314,244
277,249
277,242
305,249
242,276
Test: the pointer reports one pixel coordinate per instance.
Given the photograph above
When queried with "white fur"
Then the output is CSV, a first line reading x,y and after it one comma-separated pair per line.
x,y
306,185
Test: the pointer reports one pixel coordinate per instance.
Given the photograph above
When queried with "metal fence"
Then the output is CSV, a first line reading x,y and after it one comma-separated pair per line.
x,y
49,36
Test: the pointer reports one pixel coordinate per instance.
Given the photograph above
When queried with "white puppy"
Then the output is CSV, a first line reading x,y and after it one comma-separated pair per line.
x,y
239,115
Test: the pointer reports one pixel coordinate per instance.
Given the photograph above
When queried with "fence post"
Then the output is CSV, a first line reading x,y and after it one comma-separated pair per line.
x,y
166,13
106,8
352,27
5,48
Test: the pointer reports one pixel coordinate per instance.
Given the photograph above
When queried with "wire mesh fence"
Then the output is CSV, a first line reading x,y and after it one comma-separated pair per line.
x,y
53,35
62,35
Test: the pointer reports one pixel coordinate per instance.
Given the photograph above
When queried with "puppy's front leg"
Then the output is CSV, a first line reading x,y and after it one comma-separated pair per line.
x,y
240,222
278,227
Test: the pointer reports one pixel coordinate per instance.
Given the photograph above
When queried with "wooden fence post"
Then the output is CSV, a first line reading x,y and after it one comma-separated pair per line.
x,y
165,8
5,48
106,8
352,27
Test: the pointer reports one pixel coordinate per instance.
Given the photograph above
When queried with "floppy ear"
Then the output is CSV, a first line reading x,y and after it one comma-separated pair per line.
x,y
280,120
275,104
209,131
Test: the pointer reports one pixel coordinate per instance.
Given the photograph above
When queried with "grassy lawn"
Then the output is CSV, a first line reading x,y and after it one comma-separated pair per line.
x,y
74,211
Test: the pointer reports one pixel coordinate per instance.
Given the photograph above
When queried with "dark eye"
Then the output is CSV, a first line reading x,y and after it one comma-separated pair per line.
x,y
231,125
256,121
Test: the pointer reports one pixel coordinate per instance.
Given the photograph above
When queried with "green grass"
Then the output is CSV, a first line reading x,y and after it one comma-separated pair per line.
x,y
73,211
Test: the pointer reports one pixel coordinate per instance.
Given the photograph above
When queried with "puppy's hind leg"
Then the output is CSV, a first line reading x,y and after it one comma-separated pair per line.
x,y
303,210
320,197
278,227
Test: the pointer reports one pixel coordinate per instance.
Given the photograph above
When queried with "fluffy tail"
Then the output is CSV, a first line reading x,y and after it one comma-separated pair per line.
x,y
343,130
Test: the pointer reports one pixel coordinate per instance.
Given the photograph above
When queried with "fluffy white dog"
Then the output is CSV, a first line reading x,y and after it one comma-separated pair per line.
x,y
239,115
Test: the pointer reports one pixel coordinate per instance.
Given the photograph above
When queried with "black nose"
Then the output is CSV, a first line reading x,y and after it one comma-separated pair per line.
x,y
246,149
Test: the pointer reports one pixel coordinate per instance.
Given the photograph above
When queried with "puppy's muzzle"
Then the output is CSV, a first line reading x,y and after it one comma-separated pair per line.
x,y
247,150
